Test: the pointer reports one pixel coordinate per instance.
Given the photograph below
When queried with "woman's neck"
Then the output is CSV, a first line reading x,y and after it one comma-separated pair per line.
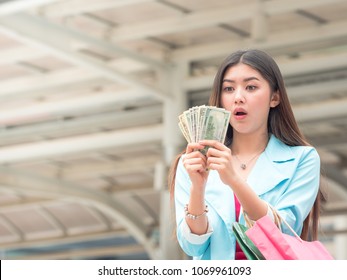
x,y
249,144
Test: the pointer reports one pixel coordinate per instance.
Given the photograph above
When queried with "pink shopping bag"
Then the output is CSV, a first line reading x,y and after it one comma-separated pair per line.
x,y
275,245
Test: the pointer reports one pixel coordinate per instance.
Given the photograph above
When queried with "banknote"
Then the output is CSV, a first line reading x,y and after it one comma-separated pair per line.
x,y
204,123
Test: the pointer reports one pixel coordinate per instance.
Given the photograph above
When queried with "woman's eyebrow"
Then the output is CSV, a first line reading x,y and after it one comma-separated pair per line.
x,y
228,81
245,80
250,79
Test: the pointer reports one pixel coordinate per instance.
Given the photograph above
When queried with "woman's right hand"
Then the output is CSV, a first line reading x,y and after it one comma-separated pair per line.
x,y
196,164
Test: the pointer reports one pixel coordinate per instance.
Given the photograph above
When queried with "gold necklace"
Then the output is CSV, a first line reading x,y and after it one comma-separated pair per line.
x,y
243,166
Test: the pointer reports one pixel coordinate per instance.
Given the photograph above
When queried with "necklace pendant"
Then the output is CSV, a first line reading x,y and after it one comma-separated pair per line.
x,y
243,166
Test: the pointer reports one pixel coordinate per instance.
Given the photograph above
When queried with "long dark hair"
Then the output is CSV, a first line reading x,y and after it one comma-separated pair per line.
x,y
281,120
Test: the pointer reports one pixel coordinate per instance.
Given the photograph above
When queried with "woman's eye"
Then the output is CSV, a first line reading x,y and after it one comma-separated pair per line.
x,y
228,89
251,88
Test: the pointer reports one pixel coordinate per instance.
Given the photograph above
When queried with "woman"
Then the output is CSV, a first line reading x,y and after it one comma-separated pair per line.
x,y
264,160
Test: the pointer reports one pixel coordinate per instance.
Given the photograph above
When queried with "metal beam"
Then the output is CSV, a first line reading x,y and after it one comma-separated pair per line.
x,y
318,89
51,219
293,41
19,54
111,205
330,141
86,40
26,204
37,32
141,116
335,174
51,110
321,110
335,210
76,7
185,22
123,167
207,18
314,64
64,80
33,86
284,6
297,67
80,144
17,233
15,6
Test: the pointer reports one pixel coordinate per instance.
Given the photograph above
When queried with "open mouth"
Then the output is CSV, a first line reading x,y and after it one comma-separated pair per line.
x,y
240,113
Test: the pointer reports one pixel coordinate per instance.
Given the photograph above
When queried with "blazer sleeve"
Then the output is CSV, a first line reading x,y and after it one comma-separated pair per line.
x,y
191,244
300,192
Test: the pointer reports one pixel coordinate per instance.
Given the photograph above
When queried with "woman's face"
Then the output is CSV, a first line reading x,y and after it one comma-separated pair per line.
x,y
248,96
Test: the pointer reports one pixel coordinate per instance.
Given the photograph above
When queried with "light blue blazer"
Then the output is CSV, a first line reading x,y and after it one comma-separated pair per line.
x,y
284,176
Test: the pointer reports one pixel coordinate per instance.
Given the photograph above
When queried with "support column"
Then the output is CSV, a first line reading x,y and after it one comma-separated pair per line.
x,y
173,140
259,23
340,240
173,143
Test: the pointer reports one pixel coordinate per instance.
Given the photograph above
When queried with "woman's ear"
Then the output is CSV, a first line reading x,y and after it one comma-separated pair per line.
x,y
275,99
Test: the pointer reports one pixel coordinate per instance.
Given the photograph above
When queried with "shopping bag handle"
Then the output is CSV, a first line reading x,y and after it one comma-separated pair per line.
x,y
278,220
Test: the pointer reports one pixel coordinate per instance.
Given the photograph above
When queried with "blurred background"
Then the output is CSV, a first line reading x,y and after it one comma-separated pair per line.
x,y
90,92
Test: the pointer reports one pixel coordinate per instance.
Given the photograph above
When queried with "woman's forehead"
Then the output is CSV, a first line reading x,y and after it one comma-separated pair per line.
x,y
241,71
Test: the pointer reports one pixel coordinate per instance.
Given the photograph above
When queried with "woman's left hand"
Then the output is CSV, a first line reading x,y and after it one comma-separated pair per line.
x,y
219,158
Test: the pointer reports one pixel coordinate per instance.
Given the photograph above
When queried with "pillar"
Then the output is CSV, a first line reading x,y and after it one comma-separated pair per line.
x,y
340,240
173,143
259,23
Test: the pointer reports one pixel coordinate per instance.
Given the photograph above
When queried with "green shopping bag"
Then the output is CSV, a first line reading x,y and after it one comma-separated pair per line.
x,y
246,244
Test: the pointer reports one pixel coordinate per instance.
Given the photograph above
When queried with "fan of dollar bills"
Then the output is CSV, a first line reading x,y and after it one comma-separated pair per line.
x,y
204,123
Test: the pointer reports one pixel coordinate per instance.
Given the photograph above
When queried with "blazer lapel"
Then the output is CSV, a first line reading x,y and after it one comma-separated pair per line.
x,y
269,170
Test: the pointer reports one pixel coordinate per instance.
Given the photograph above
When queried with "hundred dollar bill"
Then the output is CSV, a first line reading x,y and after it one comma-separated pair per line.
x,y
183,125
215,125
186,136
201,117
188,120
204,123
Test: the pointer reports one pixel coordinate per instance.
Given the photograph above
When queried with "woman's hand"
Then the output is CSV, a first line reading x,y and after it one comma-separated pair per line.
x,y
219,158
195,164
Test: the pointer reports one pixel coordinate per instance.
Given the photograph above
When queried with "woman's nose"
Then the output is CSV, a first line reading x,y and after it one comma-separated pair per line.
x,y
239,97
